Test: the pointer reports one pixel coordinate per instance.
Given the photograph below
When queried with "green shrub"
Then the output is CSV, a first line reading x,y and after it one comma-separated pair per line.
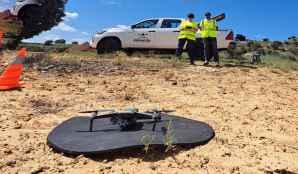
x,y
261,51
237,52
276,45
48,42
289,55
33,47
280,62
60,49
293,38
294,50
240,37
254,45
60,41
268,51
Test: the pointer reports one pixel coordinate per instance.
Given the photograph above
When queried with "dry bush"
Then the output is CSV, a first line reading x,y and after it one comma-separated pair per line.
x,y
169,136
130,93
280,62
168,75
70,60
289,55
38,57
174,63
147,140
254,45
119,58
143,61
276,45
294,50
238,52
45,106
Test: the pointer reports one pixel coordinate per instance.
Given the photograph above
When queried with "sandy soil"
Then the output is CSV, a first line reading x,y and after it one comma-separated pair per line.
x,y
253,111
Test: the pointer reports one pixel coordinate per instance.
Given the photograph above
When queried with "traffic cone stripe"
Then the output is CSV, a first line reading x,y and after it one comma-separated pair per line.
x,y
18,61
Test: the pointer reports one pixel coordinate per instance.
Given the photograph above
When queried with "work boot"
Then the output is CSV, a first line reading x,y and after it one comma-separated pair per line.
x,y
206,63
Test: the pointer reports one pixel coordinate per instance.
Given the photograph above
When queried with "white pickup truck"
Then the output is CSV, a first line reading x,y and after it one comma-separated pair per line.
x,y
152,34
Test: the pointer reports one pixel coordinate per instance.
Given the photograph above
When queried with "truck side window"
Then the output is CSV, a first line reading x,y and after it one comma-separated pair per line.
x,y
170,23
147,24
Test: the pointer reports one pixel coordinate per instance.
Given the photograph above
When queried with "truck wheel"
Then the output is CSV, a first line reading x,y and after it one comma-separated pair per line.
x,y
12,44
108,45
37,18
31,17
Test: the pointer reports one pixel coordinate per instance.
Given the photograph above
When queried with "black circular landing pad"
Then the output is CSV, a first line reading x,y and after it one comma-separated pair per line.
x,y
74,138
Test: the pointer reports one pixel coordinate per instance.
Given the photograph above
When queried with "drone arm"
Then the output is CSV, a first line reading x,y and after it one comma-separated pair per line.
x,y
95,117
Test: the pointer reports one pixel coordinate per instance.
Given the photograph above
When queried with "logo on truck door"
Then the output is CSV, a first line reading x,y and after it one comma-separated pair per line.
x,y
142,38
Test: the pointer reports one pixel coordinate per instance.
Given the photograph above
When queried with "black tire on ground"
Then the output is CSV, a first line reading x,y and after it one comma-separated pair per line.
x,y
31,17
12,44
37,19
108,45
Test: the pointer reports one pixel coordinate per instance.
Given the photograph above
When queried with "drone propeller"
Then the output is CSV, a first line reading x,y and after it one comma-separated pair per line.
x,y
98,111
161,111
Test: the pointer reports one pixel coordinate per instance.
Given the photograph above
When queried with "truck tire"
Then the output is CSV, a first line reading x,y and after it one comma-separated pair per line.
x,y
108,45
12,44
31,18
39,18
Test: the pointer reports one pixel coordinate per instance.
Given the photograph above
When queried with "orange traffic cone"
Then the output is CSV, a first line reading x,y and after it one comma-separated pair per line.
x,y
10,79
1,37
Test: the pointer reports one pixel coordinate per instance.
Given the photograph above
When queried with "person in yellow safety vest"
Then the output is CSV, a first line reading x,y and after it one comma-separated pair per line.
x,y
188,29
208,33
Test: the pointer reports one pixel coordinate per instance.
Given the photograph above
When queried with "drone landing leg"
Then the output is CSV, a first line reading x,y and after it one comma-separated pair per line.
x,y
91,125
154,126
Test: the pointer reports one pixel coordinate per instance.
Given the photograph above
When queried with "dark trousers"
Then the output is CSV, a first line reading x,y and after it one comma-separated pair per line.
x,y
210,49
191,48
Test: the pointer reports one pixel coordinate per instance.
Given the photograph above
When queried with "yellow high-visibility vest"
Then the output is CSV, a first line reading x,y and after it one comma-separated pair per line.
x,y
185,30
208,28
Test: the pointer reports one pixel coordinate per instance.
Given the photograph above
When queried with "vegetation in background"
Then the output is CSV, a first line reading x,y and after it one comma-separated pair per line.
x,y
275,54
60,41
48,46
279,62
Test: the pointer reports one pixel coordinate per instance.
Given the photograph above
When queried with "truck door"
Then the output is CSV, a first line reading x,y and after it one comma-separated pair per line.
x,y
168,34
142,34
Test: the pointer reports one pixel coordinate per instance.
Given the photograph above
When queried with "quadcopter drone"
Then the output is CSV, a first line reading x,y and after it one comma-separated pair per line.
x,y
128,120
